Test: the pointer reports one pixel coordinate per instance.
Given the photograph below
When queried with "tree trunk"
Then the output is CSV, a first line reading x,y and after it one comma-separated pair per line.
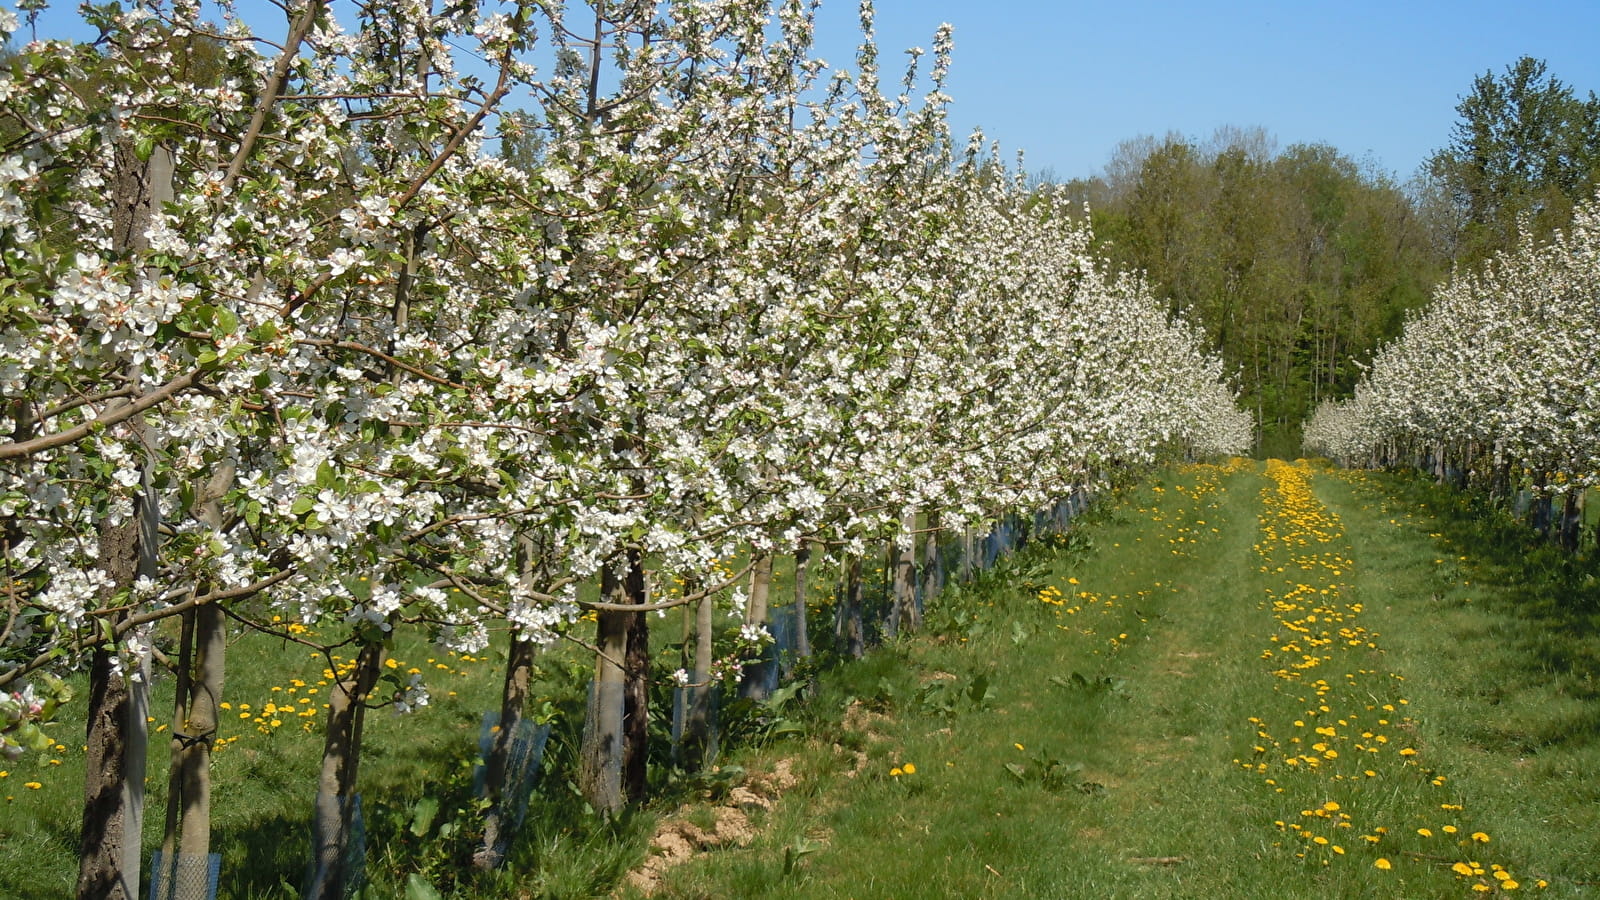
x,y
758,612
802,636
187,844
852,627
967,556
636,696
905,577
1571,521
100,870
600,757
513,699
341,762
699,739
202,666
932,571
113,791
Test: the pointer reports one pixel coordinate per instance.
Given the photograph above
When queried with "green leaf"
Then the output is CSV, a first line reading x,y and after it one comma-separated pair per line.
x,y
419,888
980,691
302,505
422,816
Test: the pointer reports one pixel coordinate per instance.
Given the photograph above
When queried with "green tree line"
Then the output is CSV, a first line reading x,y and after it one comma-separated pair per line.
x,y
1300,261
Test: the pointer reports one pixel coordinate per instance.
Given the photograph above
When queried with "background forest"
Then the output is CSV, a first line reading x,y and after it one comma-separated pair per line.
x,y
1300,261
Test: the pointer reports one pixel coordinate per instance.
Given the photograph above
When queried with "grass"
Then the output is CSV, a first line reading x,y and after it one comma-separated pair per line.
x,y
416,776
1112,716
1158,764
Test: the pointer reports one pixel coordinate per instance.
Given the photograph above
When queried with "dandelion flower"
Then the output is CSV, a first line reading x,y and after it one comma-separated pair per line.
x,y
1383,864
909,769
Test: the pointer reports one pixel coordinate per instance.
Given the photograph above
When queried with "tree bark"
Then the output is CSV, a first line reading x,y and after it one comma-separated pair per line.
x,y
852,627
699,738
113,806
802,566
753,684
513,700
636,696
336,784
600,756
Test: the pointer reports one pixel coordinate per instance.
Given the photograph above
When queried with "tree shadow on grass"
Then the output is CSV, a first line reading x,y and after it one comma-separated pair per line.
x,y
1551,598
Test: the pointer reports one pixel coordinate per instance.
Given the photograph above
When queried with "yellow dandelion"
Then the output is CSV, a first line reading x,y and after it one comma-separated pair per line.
x,y
1383,864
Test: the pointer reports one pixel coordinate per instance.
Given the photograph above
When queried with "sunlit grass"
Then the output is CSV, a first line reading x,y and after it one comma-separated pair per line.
x,y
1249,693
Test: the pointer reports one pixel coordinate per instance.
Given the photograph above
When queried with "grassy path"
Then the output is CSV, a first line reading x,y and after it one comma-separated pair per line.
x,y
1245,688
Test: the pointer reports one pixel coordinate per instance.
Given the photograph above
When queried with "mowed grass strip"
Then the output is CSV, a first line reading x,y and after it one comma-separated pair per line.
x,y
1260,681
1071,741
1502,668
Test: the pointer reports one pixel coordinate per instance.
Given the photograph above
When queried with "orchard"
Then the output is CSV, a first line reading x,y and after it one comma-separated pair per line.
x,y
386,319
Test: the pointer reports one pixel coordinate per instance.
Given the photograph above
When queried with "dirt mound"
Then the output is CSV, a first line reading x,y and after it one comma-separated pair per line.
x,y
678,840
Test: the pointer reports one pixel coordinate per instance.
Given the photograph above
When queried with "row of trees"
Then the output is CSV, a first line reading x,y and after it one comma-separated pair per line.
x,y
288,340
1495,383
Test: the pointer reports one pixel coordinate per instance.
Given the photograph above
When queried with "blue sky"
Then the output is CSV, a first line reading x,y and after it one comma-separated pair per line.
x,y
1067,81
